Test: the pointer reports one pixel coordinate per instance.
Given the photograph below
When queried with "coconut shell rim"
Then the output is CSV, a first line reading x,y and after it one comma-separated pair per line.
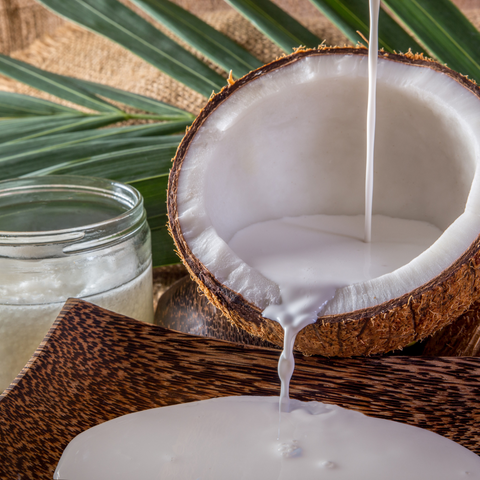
x,y
222,295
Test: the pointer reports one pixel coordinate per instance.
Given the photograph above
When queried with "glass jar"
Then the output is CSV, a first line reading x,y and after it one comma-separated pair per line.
x,y
67,237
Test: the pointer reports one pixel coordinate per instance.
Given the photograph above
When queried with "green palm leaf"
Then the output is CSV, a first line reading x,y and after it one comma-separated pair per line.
x,y
34,162
351,16
58,85
213,44
18,105
113,20
444,31
19,130
276,24
50,144
121,165
163,248
154,192
163,111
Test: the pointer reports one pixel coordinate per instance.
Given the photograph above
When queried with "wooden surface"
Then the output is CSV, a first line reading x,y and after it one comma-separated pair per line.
x,y
96,365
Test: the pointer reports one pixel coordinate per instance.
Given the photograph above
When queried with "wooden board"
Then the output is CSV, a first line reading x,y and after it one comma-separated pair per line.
x,y
95,365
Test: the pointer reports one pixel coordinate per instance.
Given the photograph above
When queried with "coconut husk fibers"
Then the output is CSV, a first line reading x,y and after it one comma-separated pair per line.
x,y
379,329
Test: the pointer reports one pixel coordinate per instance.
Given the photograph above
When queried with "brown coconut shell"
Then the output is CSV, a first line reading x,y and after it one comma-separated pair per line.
x,y
379,329
459,339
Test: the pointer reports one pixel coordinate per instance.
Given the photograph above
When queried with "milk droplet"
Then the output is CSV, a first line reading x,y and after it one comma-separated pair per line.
x,y
290,449
328,464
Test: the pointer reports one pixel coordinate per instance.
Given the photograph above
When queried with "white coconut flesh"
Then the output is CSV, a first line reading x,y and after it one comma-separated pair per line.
x,y
292,143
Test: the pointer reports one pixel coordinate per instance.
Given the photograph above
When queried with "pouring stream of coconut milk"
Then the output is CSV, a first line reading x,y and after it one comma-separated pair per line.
x,y
371,115
311,257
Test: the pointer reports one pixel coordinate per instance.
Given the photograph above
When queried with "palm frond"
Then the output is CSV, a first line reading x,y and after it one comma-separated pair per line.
x,y
61,87
446,33
162,110
117,22
40,137
352,16
210,42
14,105
276,24
22,129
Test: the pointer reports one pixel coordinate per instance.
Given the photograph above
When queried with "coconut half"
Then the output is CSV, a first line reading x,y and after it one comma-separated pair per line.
x,y
289,139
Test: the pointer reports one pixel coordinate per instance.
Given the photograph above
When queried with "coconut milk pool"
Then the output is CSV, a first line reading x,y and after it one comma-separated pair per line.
x,y
236,438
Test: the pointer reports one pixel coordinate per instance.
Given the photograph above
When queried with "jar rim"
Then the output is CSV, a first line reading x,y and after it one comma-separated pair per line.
x,y
96,189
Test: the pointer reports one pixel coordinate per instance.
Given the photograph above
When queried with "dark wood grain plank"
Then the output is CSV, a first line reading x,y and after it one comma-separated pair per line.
x,y
95,365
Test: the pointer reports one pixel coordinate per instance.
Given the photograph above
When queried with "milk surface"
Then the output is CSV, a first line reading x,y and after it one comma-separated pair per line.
x,y
237,438
311,256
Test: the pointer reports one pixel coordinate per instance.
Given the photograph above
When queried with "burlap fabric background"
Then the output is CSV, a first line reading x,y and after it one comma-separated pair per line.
x,y
31,33
65,48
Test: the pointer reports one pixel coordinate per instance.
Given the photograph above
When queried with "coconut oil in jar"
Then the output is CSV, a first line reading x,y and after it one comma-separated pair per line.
x,y
67,237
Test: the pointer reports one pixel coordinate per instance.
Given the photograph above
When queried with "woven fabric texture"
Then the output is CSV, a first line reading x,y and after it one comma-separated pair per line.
x,y
31,33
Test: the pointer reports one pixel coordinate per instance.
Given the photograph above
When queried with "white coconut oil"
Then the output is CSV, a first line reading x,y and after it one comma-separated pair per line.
x,y
67,237
23,327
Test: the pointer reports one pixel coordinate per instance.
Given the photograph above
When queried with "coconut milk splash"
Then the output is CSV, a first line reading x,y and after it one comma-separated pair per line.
x,y
310,257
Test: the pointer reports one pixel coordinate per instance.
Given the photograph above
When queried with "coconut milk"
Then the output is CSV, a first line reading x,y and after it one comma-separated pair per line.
x,y
235,438
371,115
310,257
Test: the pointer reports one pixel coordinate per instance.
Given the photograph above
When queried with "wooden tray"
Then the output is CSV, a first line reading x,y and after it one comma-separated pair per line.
x,y
95,365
